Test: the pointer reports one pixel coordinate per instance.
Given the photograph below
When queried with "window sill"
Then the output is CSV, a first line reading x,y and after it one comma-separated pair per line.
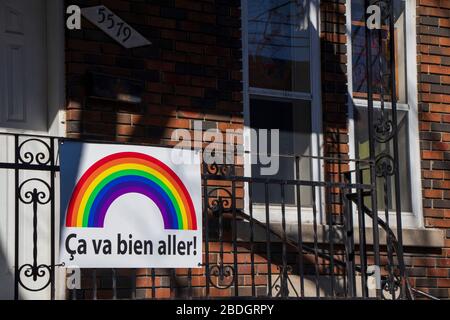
x,y
427,238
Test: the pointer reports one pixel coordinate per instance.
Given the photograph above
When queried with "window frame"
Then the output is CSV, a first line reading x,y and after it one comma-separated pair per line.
x,y
314,97
412,219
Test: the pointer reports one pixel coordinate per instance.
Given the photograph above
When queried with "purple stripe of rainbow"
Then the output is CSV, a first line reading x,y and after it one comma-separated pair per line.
x,y
132,184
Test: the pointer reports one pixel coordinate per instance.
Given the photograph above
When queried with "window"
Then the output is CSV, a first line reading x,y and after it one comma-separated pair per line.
x,y
379,62
278,45
404,38
294,122
279,37
362,150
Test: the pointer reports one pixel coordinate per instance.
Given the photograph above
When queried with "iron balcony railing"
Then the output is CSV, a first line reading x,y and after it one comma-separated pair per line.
x,y
319,239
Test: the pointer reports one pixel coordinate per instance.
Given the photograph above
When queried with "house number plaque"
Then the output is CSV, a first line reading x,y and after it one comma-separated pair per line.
x,y
114,26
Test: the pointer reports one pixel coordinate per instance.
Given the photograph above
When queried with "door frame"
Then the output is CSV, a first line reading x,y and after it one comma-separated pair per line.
x,y
56,103
56,67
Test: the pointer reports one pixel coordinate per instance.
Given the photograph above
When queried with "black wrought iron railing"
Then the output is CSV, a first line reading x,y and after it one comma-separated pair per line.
x,y
323,243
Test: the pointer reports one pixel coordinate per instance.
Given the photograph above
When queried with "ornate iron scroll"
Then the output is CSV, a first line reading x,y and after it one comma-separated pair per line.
x,y
219,201
35,154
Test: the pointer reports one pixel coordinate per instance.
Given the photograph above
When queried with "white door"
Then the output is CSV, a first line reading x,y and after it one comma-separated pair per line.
x,y
23,109
23,71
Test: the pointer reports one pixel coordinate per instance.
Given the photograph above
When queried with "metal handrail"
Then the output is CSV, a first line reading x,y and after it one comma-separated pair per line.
x,y
294,244
392,235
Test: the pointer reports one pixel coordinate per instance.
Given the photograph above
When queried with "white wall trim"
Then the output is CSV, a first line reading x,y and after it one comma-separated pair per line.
x,y
316,106
413,120
351,122
56,101
56,67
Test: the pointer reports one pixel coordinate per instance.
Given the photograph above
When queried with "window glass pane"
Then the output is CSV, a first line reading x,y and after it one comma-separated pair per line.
x,y
359,54
279,44
362,149
293,119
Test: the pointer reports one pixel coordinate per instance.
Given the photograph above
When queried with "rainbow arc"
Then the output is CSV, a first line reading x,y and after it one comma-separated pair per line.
x,y
130,172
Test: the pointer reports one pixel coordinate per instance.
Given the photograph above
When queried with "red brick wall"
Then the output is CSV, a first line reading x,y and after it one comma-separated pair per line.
x,y
333,42
433,41
192,71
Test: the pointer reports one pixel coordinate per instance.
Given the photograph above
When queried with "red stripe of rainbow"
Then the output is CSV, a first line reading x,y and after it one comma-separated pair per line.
x,y
128,172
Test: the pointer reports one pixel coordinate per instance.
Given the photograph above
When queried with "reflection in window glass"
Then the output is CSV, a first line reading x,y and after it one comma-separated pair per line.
x,y
293,121
279,45
362,150
359,53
